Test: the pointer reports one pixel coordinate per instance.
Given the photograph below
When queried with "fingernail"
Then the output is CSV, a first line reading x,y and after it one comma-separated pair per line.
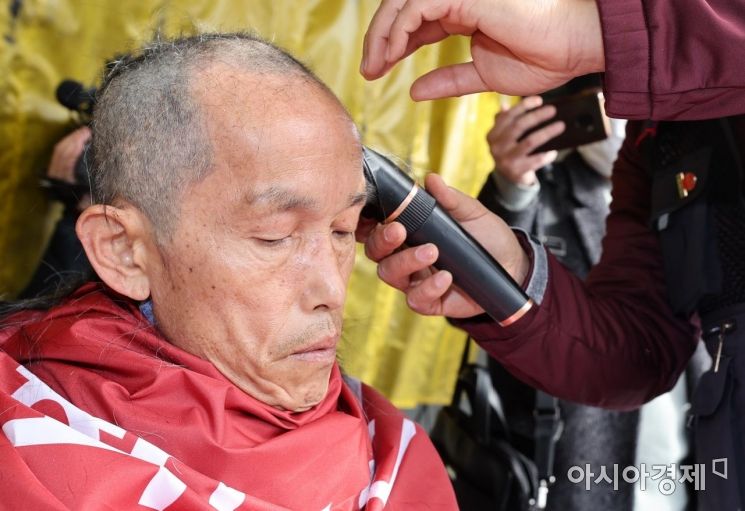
x,y
387,234
441,279
425,253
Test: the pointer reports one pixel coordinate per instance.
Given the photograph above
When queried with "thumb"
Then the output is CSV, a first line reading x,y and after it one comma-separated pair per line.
x,y
461,206
448,81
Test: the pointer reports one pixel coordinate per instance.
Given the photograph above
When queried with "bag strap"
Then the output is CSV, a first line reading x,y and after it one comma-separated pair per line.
x,y
548,429
474,382
484,400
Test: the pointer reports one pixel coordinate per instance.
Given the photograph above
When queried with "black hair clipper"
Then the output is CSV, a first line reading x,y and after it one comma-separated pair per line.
x,y
393,195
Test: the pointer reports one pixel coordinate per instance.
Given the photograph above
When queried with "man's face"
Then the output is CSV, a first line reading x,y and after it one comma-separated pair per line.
x,y
255,277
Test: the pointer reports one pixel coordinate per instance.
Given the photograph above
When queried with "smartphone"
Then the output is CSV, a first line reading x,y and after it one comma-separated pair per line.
x,y
583,117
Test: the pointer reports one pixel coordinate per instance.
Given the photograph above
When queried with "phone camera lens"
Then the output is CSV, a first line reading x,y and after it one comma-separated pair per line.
x,y
584,122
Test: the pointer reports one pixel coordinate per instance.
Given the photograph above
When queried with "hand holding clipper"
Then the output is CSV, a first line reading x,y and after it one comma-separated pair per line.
x,y
393,195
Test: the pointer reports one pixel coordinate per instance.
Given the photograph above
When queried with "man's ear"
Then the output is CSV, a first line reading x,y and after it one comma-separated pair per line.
x,y
116,240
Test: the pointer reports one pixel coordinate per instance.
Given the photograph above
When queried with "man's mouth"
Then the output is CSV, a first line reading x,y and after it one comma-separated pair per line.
x,y
323,350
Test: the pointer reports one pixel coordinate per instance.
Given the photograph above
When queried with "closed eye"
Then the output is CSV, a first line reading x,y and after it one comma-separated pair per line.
x,y
273,242
343,234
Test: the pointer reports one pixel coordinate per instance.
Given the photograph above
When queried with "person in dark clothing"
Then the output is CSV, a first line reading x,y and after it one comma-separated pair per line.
x,y
672,260
562,200
672,264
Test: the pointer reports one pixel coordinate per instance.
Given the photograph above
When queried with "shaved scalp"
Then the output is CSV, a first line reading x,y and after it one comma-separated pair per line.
x,y
149,134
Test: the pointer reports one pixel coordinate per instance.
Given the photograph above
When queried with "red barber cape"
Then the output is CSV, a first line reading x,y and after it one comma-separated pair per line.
x,y
98,411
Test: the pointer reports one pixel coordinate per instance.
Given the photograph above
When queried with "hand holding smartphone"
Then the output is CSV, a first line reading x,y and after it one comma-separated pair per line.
x,y
583,118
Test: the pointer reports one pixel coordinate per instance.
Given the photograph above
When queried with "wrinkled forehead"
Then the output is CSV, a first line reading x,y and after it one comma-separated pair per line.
x,y
278,132
246,110
249,98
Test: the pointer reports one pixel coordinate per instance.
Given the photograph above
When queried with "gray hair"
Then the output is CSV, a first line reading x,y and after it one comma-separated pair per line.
x,y
149,139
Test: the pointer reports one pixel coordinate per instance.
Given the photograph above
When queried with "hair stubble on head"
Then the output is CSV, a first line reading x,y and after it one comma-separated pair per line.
x,y
149,133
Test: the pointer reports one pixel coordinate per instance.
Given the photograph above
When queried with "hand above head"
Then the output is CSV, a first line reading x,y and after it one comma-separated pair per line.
x,y
518,47
512,158
410,270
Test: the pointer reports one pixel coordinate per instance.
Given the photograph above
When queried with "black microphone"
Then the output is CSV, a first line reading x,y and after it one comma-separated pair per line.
x,y
74,96
393,195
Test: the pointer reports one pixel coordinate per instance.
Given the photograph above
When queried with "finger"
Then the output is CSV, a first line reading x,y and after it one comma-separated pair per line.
x,y
448,81
399,269
66,153
531,119
411,17
430,32
495,130
492,134
61,164
384,240
521,169
74,146
501,121
539,137
499,152
509,128
461,206
75,141
375,45
426,296
501,145
507,117
524,105
84,134
539,160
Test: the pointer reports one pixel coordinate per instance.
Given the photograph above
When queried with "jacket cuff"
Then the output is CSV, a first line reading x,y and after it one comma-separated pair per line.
x,y
537,278
627,59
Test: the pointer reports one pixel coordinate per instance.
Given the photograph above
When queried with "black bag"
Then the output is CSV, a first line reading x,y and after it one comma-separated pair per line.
x,y
472,438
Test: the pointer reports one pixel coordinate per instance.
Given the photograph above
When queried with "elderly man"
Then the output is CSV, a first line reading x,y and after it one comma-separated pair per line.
x,y
201,374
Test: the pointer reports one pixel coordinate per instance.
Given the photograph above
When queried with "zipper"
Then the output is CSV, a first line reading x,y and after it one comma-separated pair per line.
x,y
720,331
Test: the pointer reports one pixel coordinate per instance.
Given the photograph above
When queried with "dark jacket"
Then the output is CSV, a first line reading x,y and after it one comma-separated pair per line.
x,y
568,216
674,59
615,340
583,332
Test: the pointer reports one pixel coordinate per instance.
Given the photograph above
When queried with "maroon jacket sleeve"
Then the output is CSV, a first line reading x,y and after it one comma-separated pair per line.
x,y
612,341
674,59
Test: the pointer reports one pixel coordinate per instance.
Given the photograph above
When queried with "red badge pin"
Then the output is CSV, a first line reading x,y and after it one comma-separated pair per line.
x,y
686,182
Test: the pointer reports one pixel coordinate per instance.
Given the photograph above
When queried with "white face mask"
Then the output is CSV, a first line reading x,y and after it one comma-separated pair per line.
x,y
601,155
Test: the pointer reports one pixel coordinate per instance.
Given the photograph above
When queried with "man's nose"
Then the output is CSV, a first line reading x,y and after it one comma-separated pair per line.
x,y
326,285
